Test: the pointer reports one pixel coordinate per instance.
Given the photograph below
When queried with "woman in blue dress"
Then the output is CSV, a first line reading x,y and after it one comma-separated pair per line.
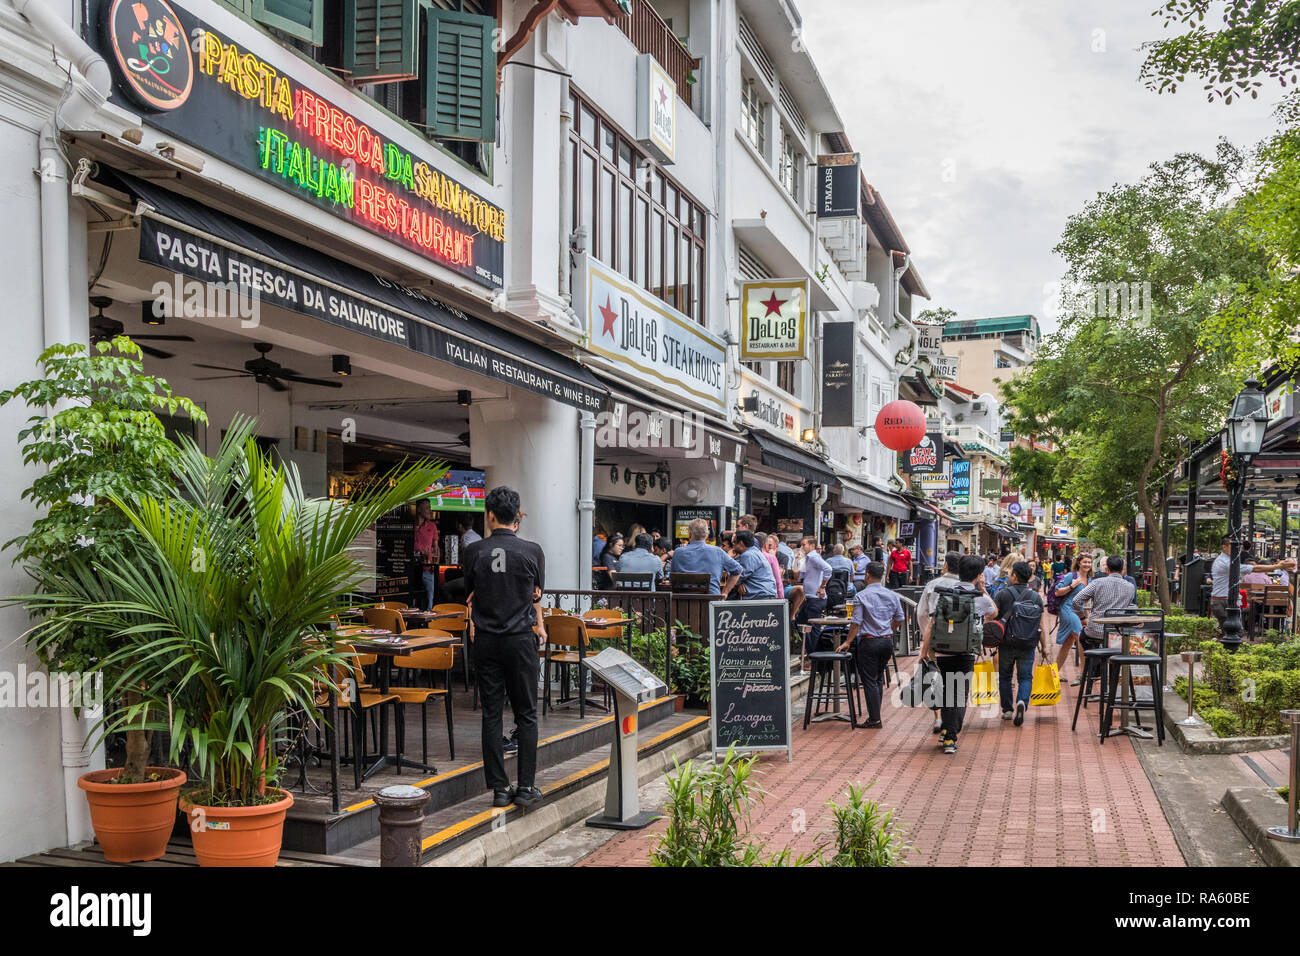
x,y
1068,625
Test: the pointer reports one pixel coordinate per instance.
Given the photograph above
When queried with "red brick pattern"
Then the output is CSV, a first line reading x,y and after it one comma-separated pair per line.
x,y
1037,795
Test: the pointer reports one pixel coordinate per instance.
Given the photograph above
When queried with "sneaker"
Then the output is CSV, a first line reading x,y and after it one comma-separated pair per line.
x,y
950,746
528,797
1076,682
873,725
938,725
510,745
1020,712
503,798
1006,715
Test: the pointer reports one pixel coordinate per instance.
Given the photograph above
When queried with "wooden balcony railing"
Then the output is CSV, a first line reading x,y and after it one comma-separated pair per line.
x,y
650,34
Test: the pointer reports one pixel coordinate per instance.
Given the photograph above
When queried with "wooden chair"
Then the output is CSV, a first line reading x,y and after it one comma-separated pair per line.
x,y
361,701
392,605
456,626
386,618
429,660
633,580
1275,612
689,582
567,641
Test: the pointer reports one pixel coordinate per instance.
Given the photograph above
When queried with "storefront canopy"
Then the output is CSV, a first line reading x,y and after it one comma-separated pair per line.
x,y
191,239
638,423
853,494
791,459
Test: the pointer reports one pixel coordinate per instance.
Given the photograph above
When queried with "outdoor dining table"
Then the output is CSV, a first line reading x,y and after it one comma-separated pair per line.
x,y
832,624
1121,623
597,622
386,647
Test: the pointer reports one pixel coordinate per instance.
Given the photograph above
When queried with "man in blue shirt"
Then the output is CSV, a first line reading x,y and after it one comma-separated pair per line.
x,y
755,572
812,598
877,614
641,559
839,562
784,556
860,562
700,557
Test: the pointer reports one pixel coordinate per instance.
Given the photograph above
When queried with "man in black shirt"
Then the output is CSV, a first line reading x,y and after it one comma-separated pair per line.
x,y
504,577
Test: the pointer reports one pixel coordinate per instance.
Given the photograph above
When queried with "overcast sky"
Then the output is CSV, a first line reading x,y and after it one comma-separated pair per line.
x,y
986,123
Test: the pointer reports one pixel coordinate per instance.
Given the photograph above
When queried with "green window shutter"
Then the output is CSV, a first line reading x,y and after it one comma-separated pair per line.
x,y
303,19
380,40
461,76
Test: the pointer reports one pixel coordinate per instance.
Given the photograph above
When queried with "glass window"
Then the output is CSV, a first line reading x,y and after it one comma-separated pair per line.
x,y
608,138
785,376
624,230
670,270
640,243
753,121
589,197
790,165
606,201
656,254
588,125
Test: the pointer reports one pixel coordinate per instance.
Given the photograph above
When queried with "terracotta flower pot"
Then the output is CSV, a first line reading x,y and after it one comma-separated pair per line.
x,y
133,821
238,836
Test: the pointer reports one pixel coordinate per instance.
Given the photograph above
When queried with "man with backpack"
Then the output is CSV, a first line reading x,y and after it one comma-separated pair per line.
x,y
955,636
1020,610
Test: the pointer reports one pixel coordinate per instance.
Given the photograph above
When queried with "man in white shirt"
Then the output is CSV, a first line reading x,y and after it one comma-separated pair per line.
x,y
467,533
991,572
1219,571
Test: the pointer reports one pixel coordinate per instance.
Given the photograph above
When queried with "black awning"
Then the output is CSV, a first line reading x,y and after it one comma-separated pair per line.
x,y
186,237
952,449
795,461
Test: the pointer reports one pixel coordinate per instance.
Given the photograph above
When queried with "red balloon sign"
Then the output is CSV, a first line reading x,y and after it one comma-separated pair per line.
x,y
900,425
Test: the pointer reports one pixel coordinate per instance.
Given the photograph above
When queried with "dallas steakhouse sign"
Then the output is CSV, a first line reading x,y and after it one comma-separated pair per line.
x,y
238,106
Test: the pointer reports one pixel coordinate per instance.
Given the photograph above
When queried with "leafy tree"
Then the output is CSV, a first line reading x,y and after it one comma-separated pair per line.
x,y
96,436
1122,389
936,316
1259,39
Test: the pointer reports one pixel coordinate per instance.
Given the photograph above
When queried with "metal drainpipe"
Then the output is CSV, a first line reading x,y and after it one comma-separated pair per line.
x,y
566,193
586,497
916,334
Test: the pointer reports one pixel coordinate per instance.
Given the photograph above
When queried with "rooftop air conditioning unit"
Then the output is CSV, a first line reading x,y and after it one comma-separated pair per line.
x,y
978,407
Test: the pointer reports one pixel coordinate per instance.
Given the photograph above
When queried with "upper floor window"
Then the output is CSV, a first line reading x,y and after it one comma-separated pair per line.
x,y
790,165
753,115
638,221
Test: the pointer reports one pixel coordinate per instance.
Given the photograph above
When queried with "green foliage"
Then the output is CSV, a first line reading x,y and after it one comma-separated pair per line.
x,y
1205,696
218,609
707,807
1198,631
866,834
1257,38
95,436
1224,723
1121,393
1145,598
1253,685
690,667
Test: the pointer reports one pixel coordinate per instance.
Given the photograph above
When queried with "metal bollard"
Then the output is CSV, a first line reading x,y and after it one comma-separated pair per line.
x,y
1292,830
1191,720
401,811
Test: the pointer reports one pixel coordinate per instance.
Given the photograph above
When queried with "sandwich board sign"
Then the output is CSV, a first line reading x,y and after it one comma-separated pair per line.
x,y
749,675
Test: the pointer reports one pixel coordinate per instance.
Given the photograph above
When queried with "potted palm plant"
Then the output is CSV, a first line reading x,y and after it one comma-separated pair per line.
x,y
95,434
221,618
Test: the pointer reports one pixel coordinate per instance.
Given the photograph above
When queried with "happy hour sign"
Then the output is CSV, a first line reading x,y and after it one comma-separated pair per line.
x,y
749,674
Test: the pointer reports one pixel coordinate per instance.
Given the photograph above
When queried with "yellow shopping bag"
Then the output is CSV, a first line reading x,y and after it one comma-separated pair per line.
x,y
1047,686
984,686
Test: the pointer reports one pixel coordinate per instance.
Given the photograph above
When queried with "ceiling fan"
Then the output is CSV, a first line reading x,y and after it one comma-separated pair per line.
x,y
102,329
462,441
266,372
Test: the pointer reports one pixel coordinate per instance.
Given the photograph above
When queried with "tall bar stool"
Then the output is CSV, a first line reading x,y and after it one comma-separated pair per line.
x,y
1094,669
1154,666
821,684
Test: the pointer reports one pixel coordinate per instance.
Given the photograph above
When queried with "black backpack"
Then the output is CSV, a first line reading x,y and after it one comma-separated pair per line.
x,y
957,626
1026,617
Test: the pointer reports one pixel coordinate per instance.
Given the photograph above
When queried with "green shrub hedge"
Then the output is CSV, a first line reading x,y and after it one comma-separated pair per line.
x,y
1197,629
1253,684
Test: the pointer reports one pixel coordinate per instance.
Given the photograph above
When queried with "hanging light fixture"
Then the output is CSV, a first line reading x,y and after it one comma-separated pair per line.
x,y
342,365
463,398
1248,420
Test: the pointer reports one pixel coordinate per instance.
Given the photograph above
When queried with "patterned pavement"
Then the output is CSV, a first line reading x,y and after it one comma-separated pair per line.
x,y
1037,795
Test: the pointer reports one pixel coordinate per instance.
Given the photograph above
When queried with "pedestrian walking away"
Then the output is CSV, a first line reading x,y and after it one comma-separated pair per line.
x,y
1020,609
925,606
504,577
877,616
957,627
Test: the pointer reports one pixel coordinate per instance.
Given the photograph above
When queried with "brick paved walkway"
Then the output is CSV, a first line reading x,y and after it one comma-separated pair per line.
x,y
1037,795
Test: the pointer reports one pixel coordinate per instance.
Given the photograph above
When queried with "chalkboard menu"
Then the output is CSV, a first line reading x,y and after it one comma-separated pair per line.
x,y
395,553
749,675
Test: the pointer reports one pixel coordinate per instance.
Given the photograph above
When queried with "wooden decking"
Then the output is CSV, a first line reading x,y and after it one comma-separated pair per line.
x,y
179,853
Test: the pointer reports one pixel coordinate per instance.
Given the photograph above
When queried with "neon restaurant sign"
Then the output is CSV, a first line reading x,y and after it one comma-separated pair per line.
x,y
242,109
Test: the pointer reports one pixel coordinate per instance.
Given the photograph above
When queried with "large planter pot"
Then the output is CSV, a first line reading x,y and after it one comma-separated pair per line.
x,y
133,821
238,836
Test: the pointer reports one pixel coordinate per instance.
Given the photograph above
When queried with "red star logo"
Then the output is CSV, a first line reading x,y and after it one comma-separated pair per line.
x,y
609,315
663,96
773,305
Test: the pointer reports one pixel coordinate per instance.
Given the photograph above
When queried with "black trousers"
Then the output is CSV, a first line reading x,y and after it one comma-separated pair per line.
x,y
897,579
958,672
507,666
813,606
873,656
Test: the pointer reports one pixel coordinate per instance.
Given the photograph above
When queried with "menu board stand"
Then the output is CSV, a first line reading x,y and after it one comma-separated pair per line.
x,y
749,676
632,685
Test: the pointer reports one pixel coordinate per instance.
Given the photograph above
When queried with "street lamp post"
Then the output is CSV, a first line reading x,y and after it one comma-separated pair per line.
x,y
1246,427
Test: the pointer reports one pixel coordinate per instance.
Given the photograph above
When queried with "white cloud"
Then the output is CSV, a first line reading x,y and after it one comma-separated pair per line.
x,y
1033,108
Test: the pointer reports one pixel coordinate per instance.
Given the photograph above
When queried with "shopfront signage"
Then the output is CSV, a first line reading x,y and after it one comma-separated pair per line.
x,y
683,516
906,529
372,305
930,340
1280,402
959,483
838,185
749,675
248,112
642,334
773,319
1009,495
656,114
927,457
837,374
151,55
932,484
946,367
991,488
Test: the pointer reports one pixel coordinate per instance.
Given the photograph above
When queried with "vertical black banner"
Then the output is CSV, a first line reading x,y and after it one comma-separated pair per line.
x,y
837,374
